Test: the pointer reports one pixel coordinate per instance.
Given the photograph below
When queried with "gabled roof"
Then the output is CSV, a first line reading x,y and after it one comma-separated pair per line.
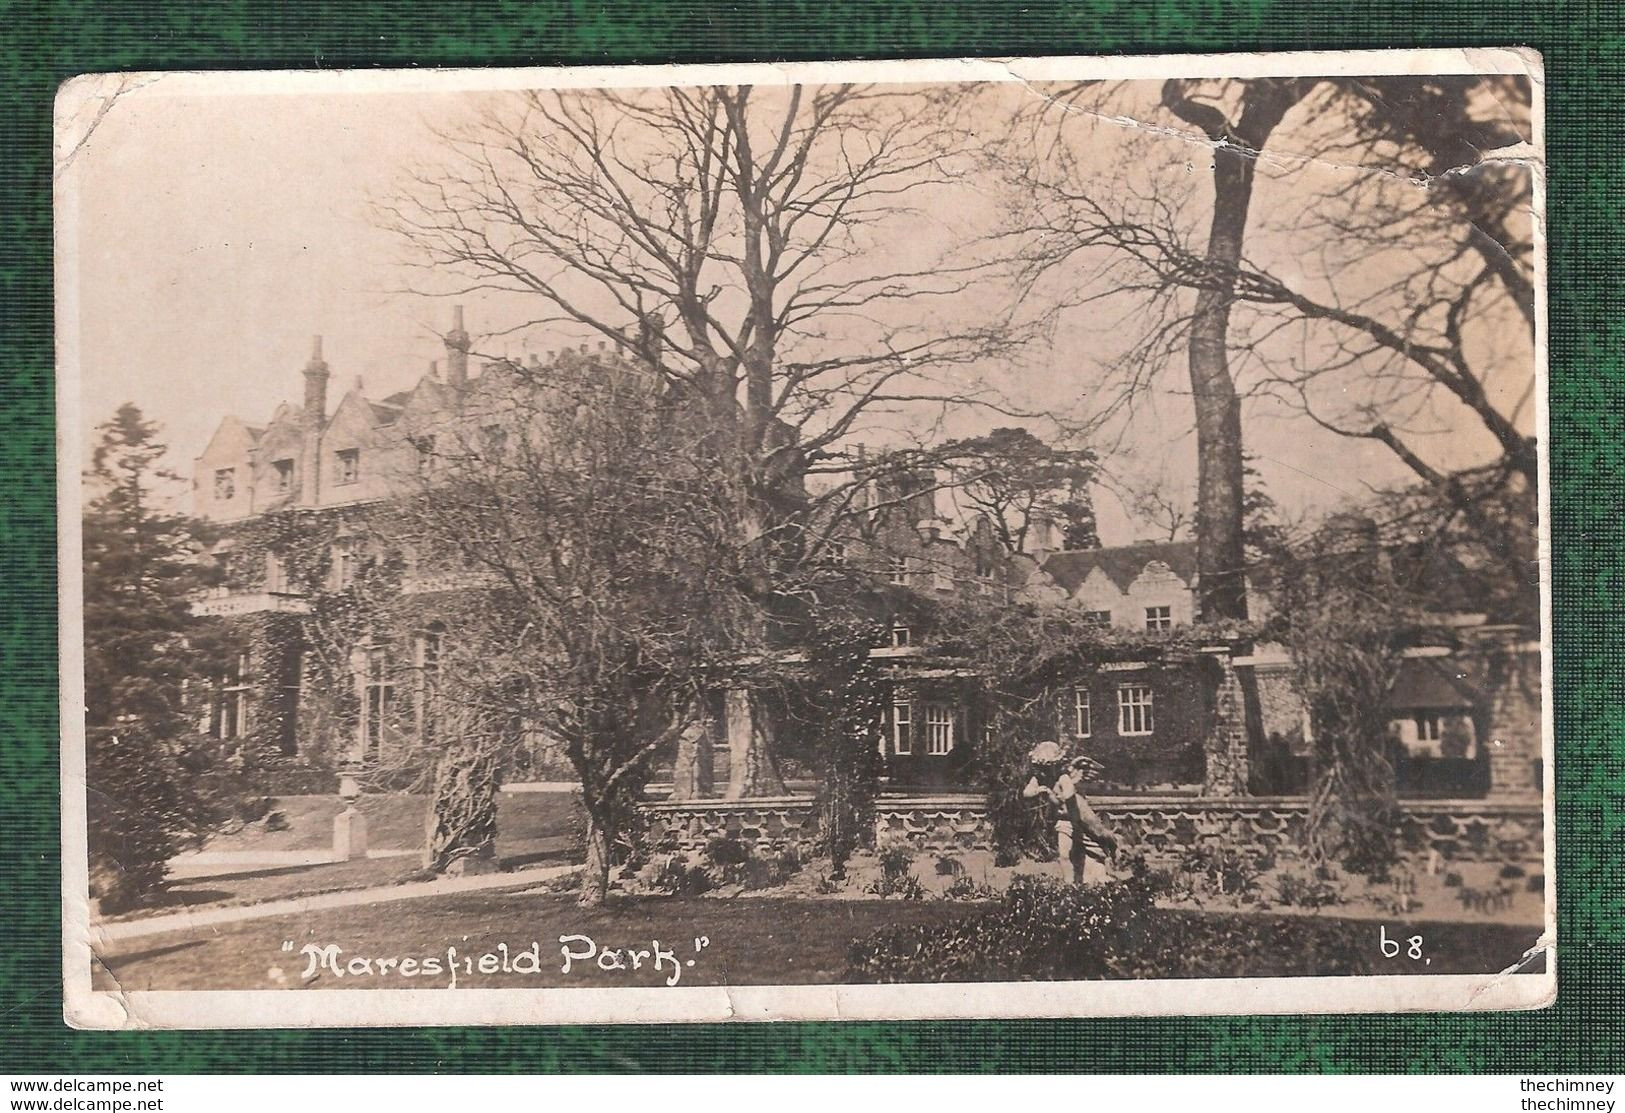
x,y
229,425
1423,683
385,412
1123,564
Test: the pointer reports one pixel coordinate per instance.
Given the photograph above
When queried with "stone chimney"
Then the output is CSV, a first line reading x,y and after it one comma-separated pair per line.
x,y
310,464
457,350
1043,538
316,377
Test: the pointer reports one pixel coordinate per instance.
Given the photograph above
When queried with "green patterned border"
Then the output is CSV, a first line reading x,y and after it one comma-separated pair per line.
x,y
42,43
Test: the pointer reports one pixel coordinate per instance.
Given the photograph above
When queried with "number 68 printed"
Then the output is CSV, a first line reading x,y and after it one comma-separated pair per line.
x,y
1391,947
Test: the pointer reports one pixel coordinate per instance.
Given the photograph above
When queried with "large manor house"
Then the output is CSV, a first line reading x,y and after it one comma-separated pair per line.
x,y
1465,715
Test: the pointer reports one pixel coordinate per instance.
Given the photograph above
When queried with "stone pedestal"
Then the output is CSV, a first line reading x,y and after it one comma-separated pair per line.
x,y
1225,748
349,835
692,775
1513,735
751,771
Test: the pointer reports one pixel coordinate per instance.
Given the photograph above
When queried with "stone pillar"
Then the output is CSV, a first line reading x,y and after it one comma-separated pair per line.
x,y
349,834
751,771
692,776
1225,748
1513,722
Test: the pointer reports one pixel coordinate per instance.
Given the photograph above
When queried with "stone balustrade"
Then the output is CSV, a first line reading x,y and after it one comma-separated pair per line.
x,y
1164,827
225,604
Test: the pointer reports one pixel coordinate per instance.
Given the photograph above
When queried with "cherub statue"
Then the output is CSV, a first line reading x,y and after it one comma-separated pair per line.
x,y
1083,841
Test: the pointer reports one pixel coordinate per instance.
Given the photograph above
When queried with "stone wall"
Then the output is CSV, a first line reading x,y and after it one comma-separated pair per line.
x,y
1164,827
767,822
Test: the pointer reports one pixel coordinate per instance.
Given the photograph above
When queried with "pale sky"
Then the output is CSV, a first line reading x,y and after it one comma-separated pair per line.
x,y
219,233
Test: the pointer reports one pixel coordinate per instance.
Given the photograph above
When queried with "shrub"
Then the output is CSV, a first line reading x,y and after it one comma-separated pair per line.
x,y
1160,882
679,878
1041,928
1304,890
1452,880
1220,870
963,887
142,807
729,860
1536,883
1511,872
905,886
897,874
896,860
949,866
725,850
772,871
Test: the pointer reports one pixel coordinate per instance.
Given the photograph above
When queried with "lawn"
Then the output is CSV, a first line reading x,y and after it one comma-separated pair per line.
x,y
527,823
750,941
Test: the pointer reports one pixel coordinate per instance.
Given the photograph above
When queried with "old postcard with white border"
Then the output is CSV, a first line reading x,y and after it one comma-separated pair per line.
x,y
1004,538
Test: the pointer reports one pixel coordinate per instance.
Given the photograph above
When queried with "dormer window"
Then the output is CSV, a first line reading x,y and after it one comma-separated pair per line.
x,y
225,484
347,465
283,472
1159,618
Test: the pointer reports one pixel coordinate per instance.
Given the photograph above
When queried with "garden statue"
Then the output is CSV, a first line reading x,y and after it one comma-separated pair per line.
x,y
1083,841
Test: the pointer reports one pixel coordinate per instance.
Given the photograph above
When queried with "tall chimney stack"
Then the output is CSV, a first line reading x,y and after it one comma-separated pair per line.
x,y
457,351
316,376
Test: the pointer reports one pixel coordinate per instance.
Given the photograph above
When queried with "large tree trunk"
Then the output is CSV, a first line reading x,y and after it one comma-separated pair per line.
x,y
595,873
463,816
1221,554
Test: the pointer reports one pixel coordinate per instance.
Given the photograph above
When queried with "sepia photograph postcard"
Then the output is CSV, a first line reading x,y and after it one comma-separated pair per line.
x,y
862,540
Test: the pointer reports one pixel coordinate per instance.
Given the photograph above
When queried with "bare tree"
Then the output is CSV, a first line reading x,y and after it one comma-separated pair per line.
x,y
1401,306
1156,501
1237,119
758,248
570,525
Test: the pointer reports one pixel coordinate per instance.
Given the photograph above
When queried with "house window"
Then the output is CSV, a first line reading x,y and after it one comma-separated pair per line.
x,y
344,564
1429,728
425,447
293,668
1080,713
1159,618
1133,709
901,636
496,439
282,471
378,694
902,727
897,570
1098,618
349,465
276,573
939,729
234,689
225,484
430,647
